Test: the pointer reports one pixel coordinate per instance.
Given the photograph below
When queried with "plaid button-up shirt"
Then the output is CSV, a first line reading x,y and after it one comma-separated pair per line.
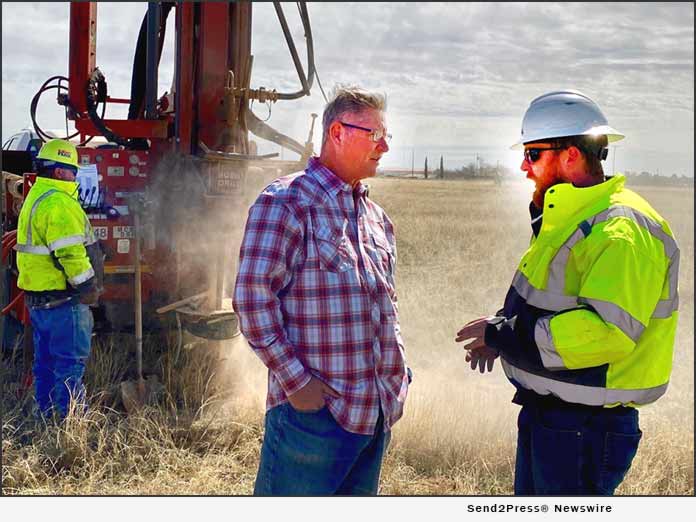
x,y
315,296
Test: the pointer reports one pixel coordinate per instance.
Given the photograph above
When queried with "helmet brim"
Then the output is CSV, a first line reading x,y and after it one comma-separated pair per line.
x,y
601,130
47,164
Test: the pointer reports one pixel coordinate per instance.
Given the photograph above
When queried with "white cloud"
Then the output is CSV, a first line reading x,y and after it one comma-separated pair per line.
x,y
458,76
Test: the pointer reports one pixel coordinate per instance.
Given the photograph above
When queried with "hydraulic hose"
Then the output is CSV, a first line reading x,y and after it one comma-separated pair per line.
x,y
139,62
308,80
35,102
95,91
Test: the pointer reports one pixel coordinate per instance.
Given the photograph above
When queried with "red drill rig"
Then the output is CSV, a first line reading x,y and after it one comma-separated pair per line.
x,y
174,180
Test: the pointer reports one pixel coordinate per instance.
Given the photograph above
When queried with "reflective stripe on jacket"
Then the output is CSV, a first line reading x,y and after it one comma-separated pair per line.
x,y
52,233
591,314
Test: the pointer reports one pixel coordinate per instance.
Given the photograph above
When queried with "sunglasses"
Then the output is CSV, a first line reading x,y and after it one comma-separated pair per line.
x,y
532,155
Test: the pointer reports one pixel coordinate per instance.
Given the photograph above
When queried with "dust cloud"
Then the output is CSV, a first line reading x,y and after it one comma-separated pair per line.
x,y
200,210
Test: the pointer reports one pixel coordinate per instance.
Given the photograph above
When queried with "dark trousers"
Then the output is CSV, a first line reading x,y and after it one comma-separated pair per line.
x,y
311,454
566,449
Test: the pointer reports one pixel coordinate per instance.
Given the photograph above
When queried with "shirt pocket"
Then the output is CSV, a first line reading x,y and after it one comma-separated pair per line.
x,y
385,254
332,249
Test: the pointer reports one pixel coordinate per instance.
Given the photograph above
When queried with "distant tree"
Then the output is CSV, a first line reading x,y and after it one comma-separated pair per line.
x,y
442,169
425,169
497,180
470,170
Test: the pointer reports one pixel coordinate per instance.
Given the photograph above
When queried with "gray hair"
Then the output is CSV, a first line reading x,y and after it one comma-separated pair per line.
x,y
350,99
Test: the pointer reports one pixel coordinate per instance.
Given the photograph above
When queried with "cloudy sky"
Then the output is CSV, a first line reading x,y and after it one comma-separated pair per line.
x,y
458,76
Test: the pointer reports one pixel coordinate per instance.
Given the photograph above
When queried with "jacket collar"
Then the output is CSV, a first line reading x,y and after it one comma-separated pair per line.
x,y
536,215
565,202
69,187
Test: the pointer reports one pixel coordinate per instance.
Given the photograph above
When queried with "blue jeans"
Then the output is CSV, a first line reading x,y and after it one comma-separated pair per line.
x,y
62,341
311,454
573,449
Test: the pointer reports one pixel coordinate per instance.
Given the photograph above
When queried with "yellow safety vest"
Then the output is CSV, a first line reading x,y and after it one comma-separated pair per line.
x,y
52,234
601,278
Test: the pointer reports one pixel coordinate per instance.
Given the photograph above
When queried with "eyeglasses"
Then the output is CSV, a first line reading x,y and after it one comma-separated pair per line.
x,y
533,155
375,134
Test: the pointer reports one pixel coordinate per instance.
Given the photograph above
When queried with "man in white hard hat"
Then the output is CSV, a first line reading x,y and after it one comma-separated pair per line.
x,y
587,330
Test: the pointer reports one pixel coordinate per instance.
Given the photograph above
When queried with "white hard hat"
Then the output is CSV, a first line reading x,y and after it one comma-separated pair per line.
x,y
564,113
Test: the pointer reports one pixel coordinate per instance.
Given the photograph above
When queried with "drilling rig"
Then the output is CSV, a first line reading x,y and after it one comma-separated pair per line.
x,y
169,186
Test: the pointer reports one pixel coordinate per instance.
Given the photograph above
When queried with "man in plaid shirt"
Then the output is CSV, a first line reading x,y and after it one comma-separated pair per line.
x,y
316,301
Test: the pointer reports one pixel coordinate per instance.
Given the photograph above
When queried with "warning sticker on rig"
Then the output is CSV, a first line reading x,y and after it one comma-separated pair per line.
x,y
123,246
123,232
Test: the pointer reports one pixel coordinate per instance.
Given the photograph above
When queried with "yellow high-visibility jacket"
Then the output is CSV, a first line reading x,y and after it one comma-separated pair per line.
x,y
52,234
592,312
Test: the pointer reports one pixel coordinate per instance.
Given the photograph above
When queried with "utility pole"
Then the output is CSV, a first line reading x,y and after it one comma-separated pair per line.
x,y
413,156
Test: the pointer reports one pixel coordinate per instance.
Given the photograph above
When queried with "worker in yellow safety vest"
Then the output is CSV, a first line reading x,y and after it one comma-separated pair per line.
x,y
587,330
60,270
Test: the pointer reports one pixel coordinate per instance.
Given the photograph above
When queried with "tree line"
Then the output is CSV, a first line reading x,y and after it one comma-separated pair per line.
x,y
483,170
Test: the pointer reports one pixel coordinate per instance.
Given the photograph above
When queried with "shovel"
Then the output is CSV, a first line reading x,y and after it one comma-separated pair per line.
x,y
141,392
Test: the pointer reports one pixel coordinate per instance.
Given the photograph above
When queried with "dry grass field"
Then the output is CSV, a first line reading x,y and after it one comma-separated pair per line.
x,y
458,245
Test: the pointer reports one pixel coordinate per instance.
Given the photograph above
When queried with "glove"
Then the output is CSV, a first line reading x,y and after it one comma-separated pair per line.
x,y
90,298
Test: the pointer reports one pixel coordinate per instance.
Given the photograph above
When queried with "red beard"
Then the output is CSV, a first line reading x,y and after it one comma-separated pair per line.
x,y
542,184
